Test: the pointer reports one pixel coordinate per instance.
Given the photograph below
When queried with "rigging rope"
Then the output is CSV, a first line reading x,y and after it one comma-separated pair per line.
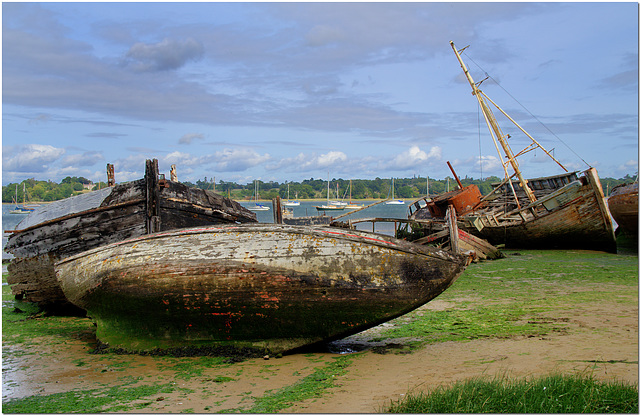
x,y
529,112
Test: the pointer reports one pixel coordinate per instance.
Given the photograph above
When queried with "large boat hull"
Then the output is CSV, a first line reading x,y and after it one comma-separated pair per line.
x,y
70,226
265,287
574,217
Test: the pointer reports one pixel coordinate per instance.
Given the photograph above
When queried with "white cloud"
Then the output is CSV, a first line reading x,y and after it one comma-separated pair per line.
x,y
331,158
30,158
311,162
88,158
414,157
238,159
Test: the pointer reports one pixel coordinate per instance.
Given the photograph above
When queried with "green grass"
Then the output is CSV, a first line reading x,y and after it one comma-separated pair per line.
x,y
112,399
525,294
550,394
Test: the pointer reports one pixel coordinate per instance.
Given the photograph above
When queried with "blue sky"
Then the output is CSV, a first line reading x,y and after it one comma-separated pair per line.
x,y
289,91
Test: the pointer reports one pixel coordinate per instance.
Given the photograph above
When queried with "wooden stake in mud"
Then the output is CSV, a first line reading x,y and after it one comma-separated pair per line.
x,y
152,196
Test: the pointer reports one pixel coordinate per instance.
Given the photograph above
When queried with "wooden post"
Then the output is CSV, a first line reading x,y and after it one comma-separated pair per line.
x,y
277,210
174,173
452,222
111,178
152,196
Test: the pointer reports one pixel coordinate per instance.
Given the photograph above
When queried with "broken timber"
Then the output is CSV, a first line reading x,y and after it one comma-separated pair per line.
x,y
438,234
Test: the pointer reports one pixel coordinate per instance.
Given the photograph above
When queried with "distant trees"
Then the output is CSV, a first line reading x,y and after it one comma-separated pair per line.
x,y
405,188
44,191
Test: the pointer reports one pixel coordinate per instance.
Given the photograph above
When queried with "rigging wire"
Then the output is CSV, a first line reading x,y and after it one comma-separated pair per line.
x,y
479,142
527,110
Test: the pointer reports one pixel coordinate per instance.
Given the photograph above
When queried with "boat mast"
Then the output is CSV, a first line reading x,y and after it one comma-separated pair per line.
x,y
496,132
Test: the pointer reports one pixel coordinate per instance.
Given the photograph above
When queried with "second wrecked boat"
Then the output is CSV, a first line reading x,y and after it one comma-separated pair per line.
x,y
265,287
70,226
562,211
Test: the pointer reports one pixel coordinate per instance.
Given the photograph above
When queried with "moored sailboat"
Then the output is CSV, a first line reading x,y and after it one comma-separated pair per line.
x,y
393,200
331,205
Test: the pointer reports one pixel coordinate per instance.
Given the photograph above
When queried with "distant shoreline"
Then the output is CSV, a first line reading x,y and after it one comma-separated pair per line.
x,y
247,201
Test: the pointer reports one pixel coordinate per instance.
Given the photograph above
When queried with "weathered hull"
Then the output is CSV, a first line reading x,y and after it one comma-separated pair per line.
x,y
266,287
68,227
623,204
575,217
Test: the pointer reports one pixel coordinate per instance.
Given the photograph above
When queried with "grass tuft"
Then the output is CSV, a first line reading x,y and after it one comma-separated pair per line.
x,y
550,394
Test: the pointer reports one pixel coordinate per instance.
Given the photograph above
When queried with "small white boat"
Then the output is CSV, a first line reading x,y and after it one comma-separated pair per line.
x,y
289,202
393,200
331,204
258,207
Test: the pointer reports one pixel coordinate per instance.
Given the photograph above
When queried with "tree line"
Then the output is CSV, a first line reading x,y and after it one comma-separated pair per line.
x,y
405,188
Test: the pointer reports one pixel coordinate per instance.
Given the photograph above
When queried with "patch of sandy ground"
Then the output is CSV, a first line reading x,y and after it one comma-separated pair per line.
x,y
601,339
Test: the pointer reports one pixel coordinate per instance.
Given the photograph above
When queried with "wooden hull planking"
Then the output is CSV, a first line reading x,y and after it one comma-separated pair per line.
x,y
623,204
266,287
70,226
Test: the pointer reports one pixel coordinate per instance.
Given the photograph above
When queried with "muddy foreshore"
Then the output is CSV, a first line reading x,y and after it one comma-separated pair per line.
x,y
531,314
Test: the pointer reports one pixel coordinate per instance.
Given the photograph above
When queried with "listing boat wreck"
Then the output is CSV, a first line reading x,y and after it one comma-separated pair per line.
x,y
623,204
561,211
70,226
263,287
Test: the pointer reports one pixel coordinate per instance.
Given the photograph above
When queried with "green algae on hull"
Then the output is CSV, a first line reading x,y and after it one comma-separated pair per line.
x,y
272,288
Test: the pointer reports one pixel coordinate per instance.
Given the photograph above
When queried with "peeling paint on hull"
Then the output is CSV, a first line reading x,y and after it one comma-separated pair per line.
x,y
263,286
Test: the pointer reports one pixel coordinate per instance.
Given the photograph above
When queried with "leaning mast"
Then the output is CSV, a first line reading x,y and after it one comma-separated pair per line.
x,y
495,129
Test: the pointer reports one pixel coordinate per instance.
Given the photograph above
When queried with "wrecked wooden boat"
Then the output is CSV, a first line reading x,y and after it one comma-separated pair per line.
x,y
66,227
623,204
264,287
561,211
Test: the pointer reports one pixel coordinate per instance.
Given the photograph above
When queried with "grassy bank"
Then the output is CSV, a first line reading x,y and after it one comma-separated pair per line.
x,y
520,295
524,295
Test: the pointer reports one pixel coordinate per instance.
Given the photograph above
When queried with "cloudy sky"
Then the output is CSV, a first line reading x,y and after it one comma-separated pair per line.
x,y
289,91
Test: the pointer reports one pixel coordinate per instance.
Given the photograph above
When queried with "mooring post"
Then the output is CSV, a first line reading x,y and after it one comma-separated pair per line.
x,y
277,210
111,177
